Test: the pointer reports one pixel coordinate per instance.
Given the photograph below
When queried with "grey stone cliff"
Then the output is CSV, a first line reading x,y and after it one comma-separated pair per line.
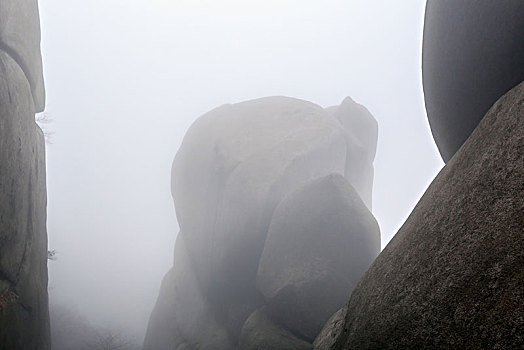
x,y
24,319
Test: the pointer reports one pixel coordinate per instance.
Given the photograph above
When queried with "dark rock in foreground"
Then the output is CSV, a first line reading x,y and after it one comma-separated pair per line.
x,y
473,53
333,328
452,276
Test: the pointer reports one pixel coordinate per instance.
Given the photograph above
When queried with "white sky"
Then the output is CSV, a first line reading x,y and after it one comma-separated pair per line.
x,y
126,78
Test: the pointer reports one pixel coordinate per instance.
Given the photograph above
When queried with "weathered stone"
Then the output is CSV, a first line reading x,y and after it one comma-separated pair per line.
x,y
472,55
20,38
321,240
24,315
332,330
182,316
234,166
452,276
261,333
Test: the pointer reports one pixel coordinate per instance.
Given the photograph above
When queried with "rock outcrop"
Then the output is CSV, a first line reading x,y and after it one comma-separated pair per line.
x,y
238,171
452,276
24,316
321,240
472,55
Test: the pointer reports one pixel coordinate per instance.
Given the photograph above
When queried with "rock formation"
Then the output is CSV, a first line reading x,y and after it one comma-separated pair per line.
x,y
24,319
309,263
473,53
255,184
452,276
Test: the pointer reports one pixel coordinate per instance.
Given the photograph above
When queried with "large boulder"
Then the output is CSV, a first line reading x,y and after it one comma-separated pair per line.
x,y
234,166
472,55
452,276
321,240
24,318
20,38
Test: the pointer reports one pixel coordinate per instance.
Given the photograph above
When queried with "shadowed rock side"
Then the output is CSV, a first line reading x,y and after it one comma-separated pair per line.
x,y
24,316
321,240
234,167
473,53
452,276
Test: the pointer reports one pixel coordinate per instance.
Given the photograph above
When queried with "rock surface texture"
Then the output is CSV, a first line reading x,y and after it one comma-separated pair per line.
x,y
452,276
240,181
473,53
24,316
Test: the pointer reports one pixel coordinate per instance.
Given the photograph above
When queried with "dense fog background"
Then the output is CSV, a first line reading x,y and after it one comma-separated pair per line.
x,y
126,78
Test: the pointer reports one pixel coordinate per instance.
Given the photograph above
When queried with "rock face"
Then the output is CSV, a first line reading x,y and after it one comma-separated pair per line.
x,y
452,276
472,55
24,319
20,38
236,166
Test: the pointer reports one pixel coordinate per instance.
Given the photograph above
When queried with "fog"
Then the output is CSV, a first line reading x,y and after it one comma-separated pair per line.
x,y
126,78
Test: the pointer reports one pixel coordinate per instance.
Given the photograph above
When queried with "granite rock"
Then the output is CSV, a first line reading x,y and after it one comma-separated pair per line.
x,y
331,331
20,38
472,55
321,240
234,166
24,315
452,276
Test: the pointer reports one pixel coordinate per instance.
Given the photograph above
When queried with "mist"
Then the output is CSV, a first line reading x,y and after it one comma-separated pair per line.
x,y
125,79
